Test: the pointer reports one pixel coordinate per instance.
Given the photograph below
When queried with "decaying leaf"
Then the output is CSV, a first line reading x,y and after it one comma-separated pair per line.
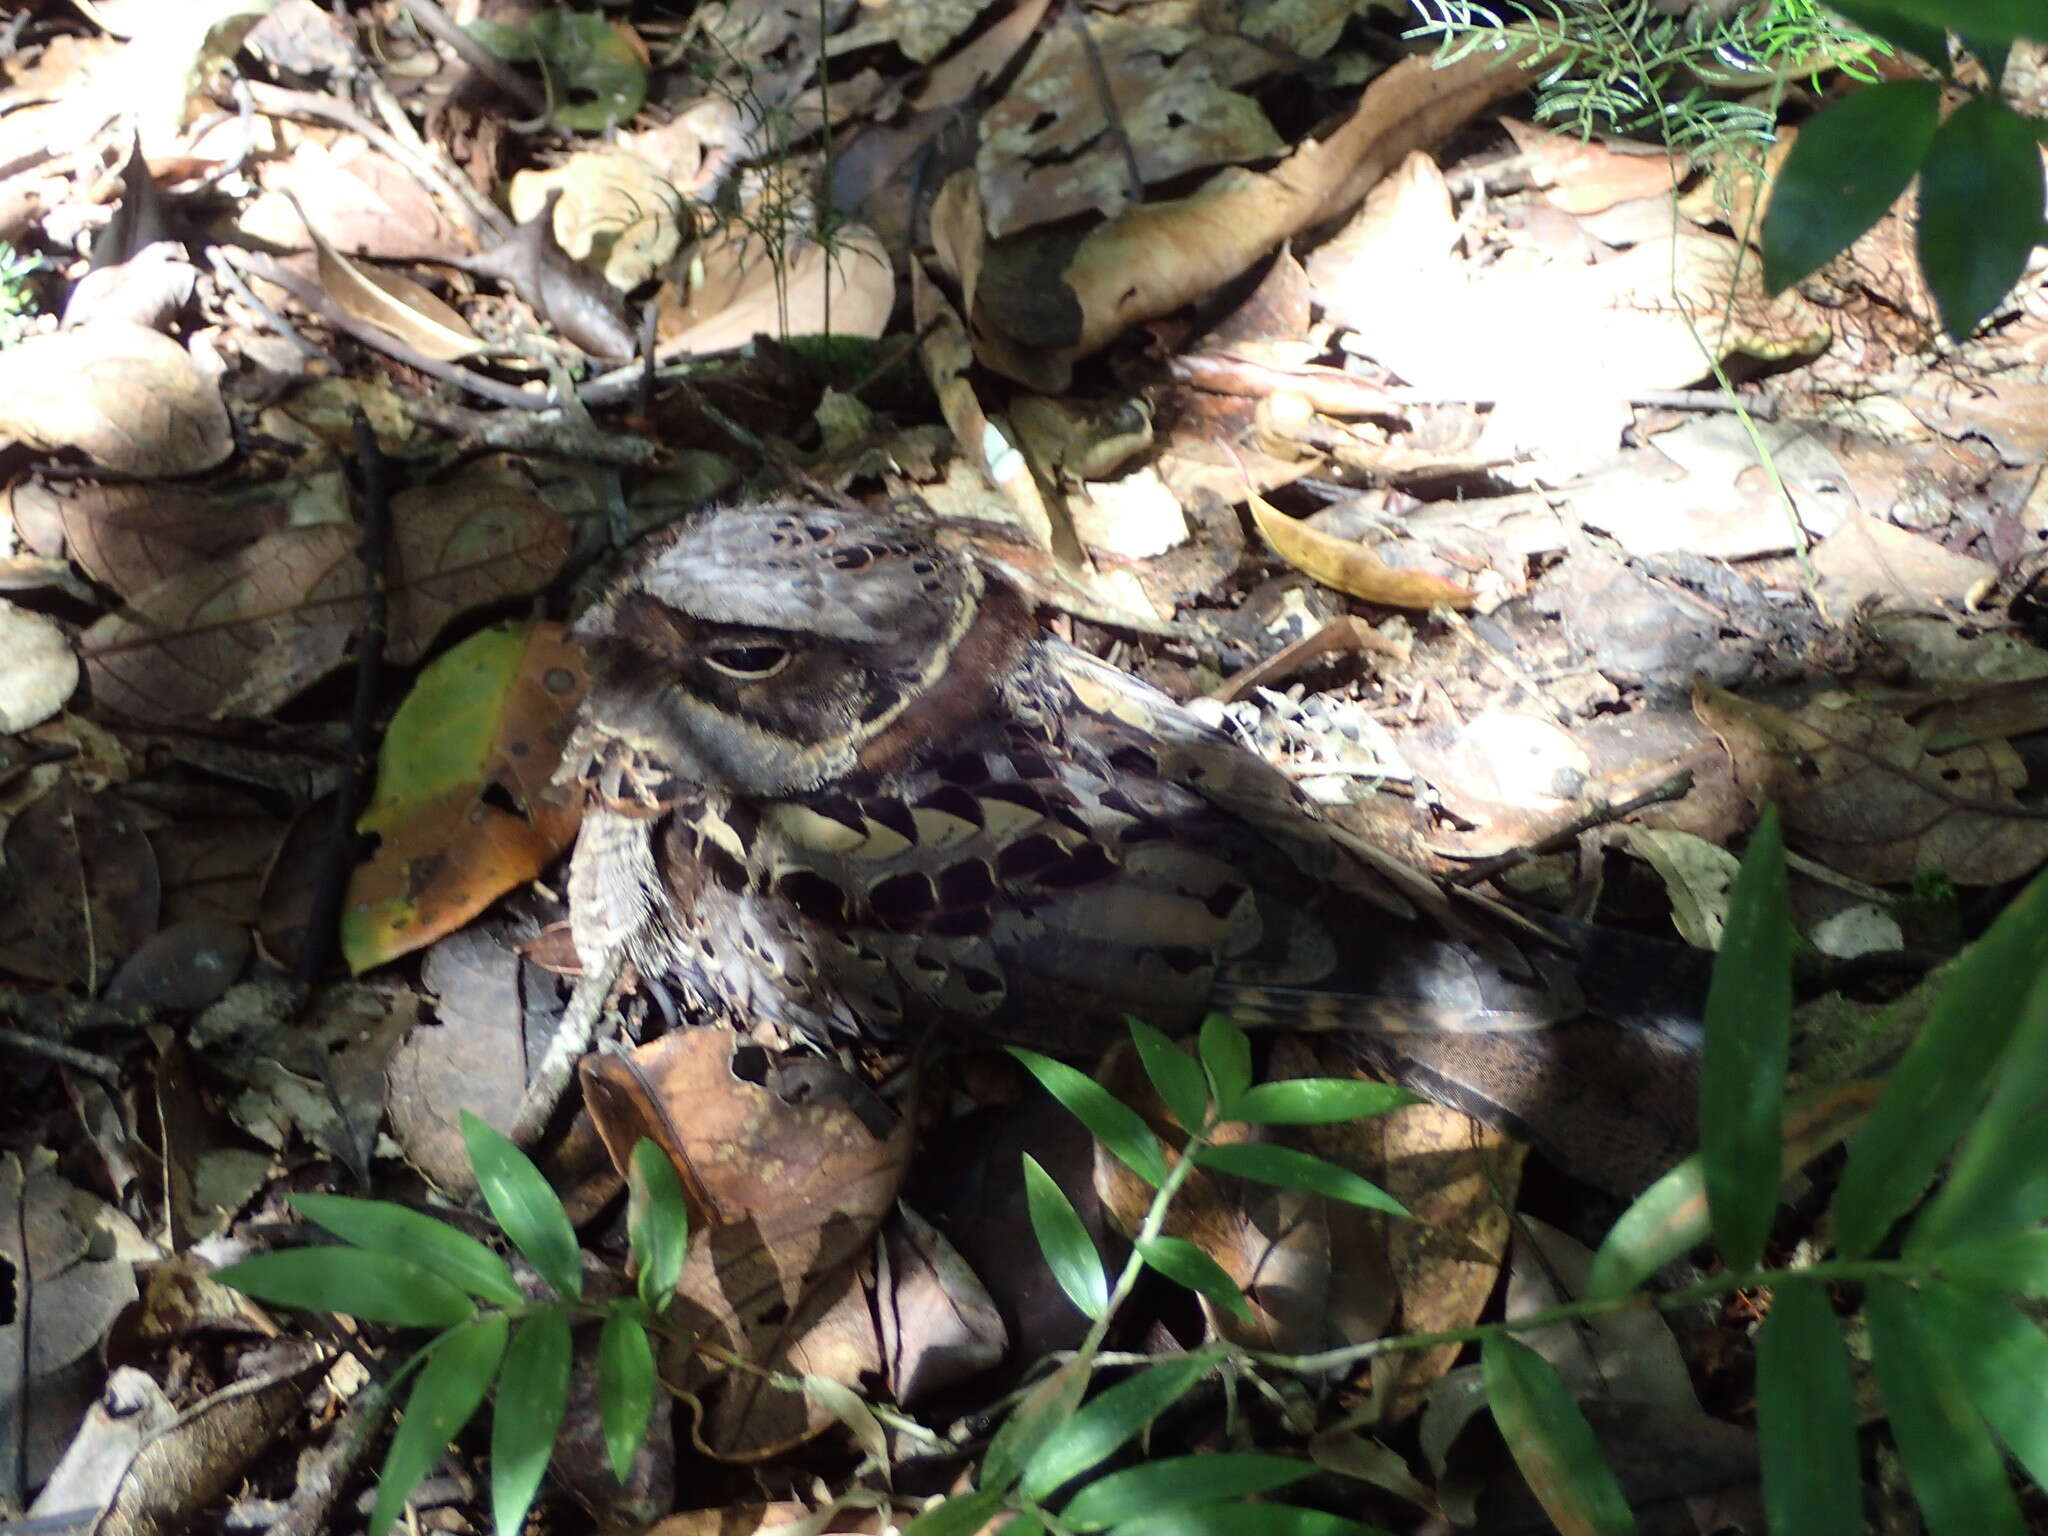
x,y
472,1055
491,715
787,1182
1877,796
70,1279
130,537
1043,303
1459,1178
576,301
79,886
1048,149
132,400
242,633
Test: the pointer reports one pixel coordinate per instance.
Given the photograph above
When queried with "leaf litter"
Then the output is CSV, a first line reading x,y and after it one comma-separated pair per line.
x,y
1489,507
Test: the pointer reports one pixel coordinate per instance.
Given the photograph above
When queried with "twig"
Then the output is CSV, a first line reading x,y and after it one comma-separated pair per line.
x,y
315,298
105,1068
573,1037
478,57
322,1478
279,102
1112,121
1673,788
229,273
338,854
553,431
494,220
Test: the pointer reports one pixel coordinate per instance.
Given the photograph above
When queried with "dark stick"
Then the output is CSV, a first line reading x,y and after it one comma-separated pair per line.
x,y
337,856
1673,788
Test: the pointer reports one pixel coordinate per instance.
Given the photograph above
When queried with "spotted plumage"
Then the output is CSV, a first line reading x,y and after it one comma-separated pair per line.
x,y
840,783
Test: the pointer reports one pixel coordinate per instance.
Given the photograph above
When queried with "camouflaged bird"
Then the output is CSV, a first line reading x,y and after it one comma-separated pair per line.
x,y
840,784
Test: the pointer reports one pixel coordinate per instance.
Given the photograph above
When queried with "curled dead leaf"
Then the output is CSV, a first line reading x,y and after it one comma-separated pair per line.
x,y
1351,567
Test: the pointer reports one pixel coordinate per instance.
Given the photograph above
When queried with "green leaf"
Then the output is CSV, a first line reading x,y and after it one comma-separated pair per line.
x,y
1245,1520
1114,1419
433,1245
1806,1417
1955,1468
625,1388
1177,1483
533,1393
1185,1264
961,1515
1177,1075
506,42
458,1372
1998,1182
526,1207
1227,1059
1318,1101
2001,1354
1044,1411
1847,167
1943,1078
1980,210
594,66
1551,1441
1297,1170
1115,1124
1972,18
2012,1262
376,1287
1671,1215
657,1222
1063,1239
1926,41
1742,1070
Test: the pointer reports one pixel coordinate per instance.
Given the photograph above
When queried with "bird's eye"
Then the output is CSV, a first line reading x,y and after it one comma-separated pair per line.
x,y
751,662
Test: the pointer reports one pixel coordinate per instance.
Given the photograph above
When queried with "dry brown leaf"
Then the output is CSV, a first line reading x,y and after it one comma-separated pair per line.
x,y
787,1184
361,201
396,305
1878,798
1458,1178
38,669
1048,151
130,399
244,632
923,29
987,56
613,203
130,537
848,291
1557,337
1868,558
78,892
1153,259
1584,176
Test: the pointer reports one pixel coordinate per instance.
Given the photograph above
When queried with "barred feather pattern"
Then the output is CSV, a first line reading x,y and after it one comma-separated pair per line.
x,y
840,784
